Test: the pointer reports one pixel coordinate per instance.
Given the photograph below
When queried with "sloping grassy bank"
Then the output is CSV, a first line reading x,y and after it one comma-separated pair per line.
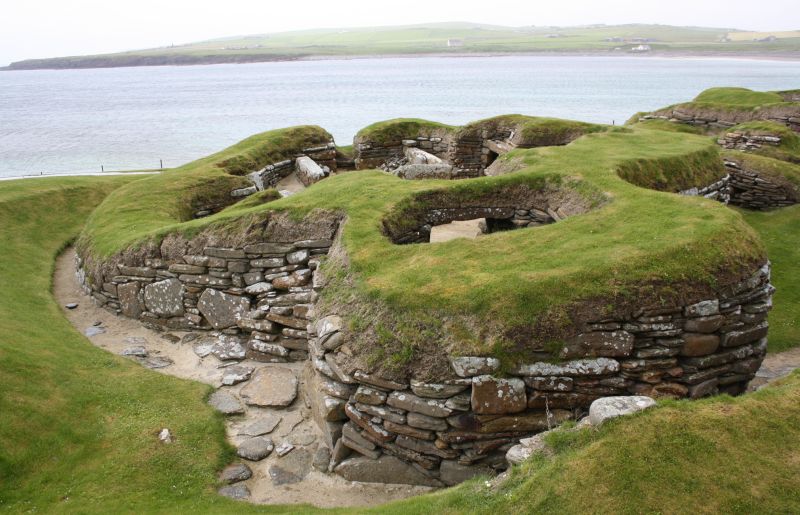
x,y
78,426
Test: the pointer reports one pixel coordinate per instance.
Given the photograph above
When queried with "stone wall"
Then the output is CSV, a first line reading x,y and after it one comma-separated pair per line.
x,y
372,154
259,296
469,151
714,119
271,175
449,430
753,190
747,142
747,188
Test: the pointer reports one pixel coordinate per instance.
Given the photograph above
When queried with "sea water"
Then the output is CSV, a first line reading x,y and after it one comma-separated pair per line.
x,y
78,121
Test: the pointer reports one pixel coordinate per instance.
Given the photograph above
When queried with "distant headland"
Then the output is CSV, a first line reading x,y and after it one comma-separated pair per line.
x,y
448,39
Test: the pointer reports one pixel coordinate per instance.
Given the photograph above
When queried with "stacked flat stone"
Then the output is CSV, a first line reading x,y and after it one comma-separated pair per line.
x,y
465,423
752,190
749,189
261,294
722,119
269,176
747,142
371,154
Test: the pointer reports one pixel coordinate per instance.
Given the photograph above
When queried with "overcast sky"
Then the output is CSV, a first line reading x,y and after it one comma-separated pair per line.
x,y
49,28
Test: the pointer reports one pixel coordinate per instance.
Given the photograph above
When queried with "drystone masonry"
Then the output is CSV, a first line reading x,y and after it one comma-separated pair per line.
x,y
323,156
747,142
717,119
259,297
372,154
463,424
747,188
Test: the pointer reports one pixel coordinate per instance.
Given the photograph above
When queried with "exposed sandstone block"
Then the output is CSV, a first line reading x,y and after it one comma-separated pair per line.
x,y
165,298
493,396
221,309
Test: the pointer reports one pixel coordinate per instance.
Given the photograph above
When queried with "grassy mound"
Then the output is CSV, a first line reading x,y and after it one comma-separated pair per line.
x,y
132,214
730,105
79,426
398,129
738,97
721,455
504,291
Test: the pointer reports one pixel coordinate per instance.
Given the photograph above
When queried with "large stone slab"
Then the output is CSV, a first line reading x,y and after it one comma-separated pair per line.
x,y
609,344
410,402
222,310
580,367
452,473
129,302
385,469
255,449
225,402
612,407
292,468
308,171
165,298
494,396
271,386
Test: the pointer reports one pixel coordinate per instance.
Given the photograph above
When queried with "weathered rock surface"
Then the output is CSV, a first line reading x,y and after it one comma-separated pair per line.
x,y
225,402
261,426
236,374
271,386
493,396
227,347
222,310
292,468
165,298
255,449
612,407
237,491
235,473
474,366
386,469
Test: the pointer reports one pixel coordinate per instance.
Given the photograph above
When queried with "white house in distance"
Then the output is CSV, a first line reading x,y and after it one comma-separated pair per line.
x,y
455,42
641,48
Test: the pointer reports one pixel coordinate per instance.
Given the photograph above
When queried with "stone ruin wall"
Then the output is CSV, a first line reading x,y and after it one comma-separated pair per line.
x,y
260,299
268,177
467,151
748,189
464,424
721,120
744,186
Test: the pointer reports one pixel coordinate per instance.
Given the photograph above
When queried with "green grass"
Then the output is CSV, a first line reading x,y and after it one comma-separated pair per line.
x,y
720,455
735,103
622,252
738,96
175,195
432,39
78,431
398,129
779,229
